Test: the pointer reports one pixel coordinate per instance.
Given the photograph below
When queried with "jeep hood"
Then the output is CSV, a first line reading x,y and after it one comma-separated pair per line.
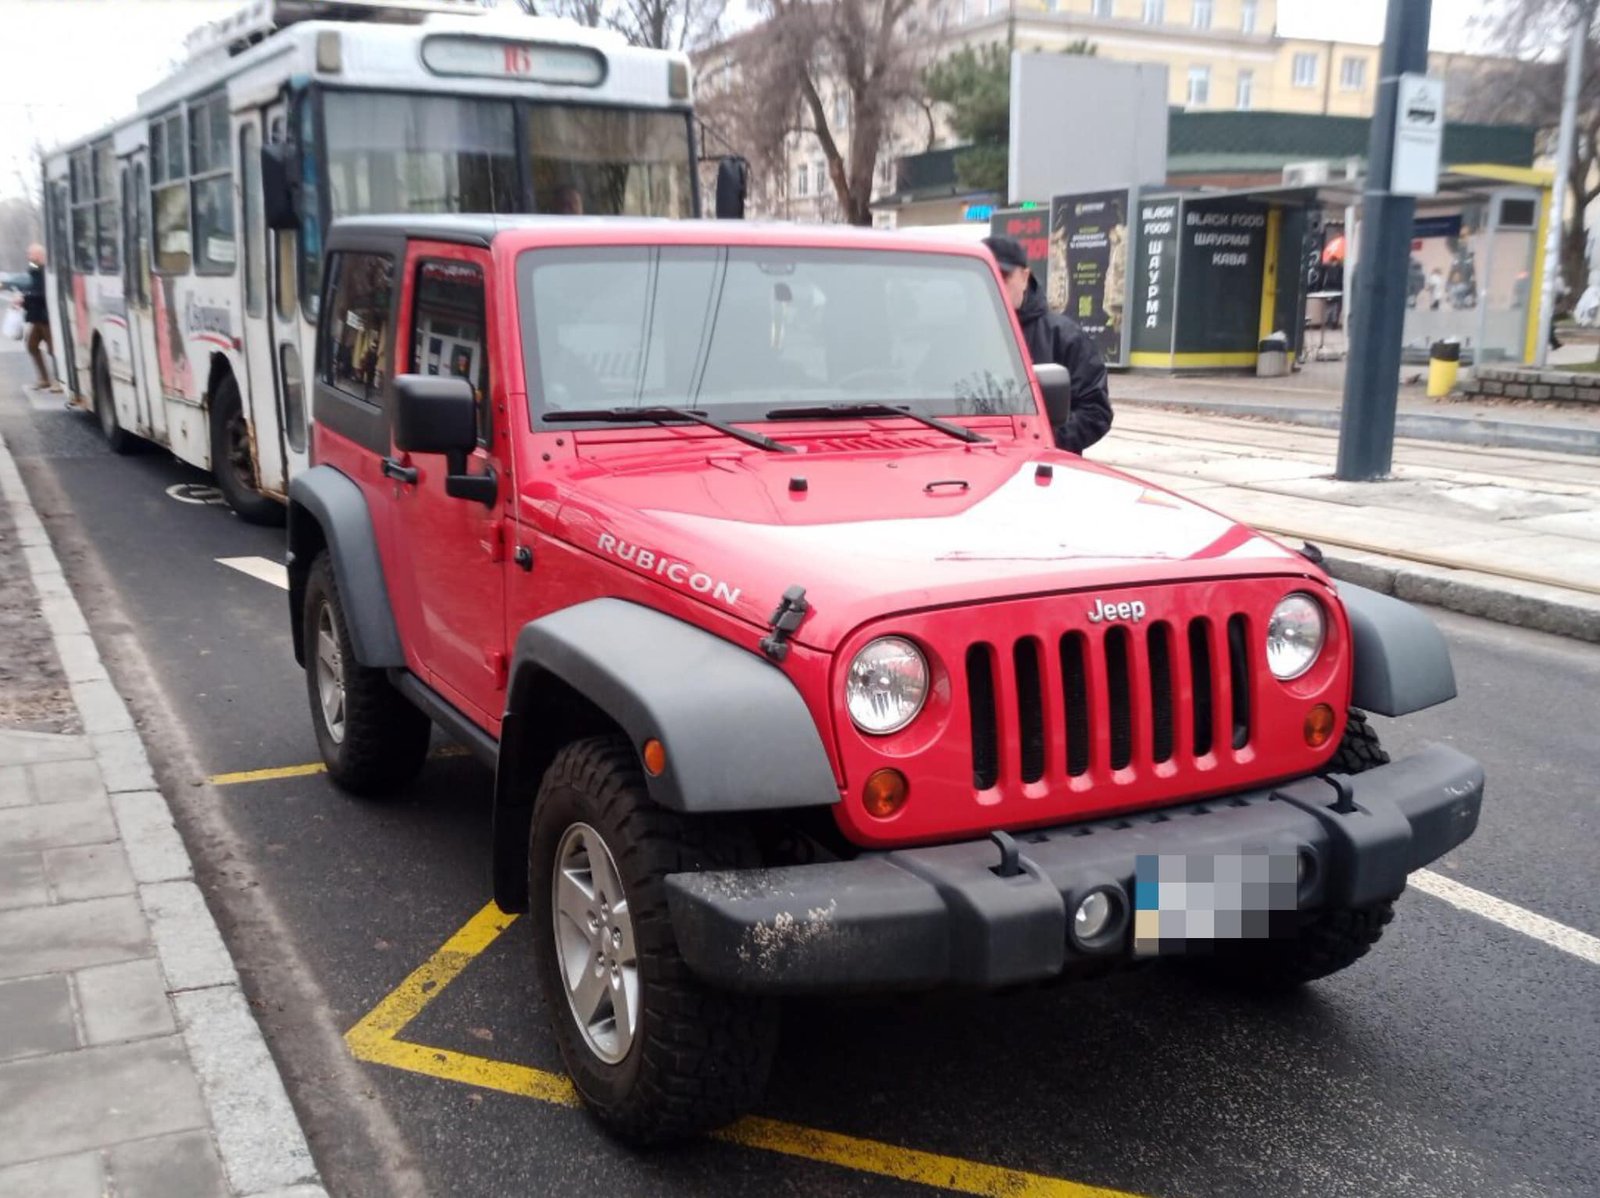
x,y
869,536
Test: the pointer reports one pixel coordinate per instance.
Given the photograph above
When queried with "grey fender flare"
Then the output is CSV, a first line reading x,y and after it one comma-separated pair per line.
x,y
1401,660
326,508
737,734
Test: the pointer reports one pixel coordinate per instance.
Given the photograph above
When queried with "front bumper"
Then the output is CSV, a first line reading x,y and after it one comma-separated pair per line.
x,y
916,918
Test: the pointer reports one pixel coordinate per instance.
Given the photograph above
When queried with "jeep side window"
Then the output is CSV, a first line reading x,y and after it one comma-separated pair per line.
x,y
447,330
355,358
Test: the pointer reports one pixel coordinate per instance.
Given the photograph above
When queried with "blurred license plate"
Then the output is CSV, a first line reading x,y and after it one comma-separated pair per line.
x,y
1186,903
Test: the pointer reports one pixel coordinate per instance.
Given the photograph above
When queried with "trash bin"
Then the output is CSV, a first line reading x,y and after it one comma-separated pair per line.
x,y
1444,362
1272,357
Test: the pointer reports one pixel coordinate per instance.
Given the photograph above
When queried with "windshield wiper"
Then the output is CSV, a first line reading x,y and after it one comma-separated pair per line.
x,y
665,415
844,411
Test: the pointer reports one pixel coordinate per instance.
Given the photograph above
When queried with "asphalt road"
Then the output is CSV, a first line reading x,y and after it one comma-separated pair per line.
x,y
1458,1060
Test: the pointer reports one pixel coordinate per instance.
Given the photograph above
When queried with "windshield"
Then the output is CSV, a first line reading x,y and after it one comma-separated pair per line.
x,y
739,332
393,152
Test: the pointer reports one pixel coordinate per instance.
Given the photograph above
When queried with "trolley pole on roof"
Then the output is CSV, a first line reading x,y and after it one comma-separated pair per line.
x,y
1377,318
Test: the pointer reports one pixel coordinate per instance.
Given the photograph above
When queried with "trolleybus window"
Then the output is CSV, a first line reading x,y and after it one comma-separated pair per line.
x,y
169,193
105,209
397,153
211,169
609,161
83,242
255,232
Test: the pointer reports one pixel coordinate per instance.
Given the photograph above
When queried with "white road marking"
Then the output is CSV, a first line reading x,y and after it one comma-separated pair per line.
x,y
259,567
1508,915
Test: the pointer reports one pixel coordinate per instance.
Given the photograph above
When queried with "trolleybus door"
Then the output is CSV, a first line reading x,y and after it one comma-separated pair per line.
x,y
151,408
61,260
290,344
259,387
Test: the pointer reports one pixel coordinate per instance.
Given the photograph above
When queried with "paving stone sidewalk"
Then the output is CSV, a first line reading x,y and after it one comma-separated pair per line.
x,y
1511,535
130,1063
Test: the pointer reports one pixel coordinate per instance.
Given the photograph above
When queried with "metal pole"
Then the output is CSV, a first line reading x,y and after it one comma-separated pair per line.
x,y
1377,319
1558,193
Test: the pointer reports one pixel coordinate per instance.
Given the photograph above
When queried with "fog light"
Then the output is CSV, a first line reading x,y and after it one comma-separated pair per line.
x,y
1093,915
655,758
1319,725
885,793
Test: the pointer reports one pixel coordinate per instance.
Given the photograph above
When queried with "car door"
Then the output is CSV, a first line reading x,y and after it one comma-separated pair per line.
x,y
454,549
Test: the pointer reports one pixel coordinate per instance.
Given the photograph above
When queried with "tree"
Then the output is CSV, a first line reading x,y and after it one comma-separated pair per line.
x,y
975,86
1528,92
660,24
841,71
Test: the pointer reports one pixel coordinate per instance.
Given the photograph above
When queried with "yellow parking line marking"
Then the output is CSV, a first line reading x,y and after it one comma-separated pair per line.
x,y
282,771
376,1039
305,771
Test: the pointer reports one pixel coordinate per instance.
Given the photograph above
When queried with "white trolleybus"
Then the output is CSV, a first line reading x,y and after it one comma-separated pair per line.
x,y
186,241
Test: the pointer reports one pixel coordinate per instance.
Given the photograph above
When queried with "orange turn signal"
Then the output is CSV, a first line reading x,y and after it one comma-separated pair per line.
x,y
885,793
655,758
1319,725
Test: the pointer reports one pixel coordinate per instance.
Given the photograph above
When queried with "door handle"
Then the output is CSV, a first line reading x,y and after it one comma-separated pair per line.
x,y
405,474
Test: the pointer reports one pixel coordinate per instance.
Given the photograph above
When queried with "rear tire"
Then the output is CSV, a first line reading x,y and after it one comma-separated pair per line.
x,y
657,1056
372,739
118,439
232,464
1327,941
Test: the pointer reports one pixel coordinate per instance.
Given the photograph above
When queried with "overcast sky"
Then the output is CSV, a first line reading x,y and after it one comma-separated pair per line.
x,y
71,66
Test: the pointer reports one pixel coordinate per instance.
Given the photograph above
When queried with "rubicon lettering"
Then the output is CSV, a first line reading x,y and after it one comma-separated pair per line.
x,y
680,573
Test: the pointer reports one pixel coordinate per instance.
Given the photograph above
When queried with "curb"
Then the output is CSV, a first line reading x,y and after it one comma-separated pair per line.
x,y
259,1137
1506,601
1420,426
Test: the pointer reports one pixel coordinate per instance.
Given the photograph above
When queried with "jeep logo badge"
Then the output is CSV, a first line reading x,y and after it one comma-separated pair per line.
x,y
1102,611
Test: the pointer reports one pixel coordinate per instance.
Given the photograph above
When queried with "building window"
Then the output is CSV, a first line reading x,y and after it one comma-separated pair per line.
x,y
1247,17
841,111
819,171
1200,15
1353,74
1305,70
802,180
1101,8
1244,92
1199,86
886,173
1155,12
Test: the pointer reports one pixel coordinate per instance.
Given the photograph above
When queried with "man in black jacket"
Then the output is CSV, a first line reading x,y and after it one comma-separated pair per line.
x,y
1052,337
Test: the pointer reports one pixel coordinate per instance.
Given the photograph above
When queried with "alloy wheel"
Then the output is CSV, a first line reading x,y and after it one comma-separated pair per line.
x,y
595,944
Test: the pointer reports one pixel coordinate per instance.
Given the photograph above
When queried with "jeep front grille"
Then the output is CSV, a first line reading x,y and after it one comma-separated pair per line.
x,y
1092,704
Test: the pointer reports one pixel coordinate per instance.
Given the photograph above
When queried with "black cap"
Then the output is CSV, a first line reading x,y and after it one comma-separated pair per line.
x,y
1007,252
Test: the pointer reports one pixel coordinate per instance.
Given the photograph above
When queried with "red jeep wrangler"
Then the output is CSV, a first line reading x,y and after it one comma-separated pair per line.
x,y
803,661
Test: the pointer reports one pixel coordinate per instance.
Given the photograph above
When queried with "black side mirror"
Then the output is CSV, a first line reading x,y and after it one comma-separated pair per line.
x,y
280,186
1056,384
733,180
439,415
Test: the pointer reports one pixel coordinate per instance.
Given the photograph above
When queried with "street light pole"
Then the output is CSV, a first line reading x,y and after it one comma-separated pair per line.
x,y
1558,193
1377,319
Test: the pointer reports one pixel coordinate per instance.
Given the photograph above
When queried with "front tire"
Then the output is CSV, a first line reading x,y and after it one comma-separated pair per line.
x,y
656,1055
1327,941
373,740
118,439
232,463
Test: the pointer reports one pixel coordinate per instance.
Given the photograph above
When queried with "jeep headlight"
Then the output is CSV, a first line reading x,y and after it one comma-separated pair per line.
x,y
1294,636
886,685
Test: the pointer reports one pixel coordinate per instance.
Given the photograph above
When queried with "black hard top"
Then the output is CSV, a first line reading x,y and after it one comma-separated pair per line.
x,y
477,228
